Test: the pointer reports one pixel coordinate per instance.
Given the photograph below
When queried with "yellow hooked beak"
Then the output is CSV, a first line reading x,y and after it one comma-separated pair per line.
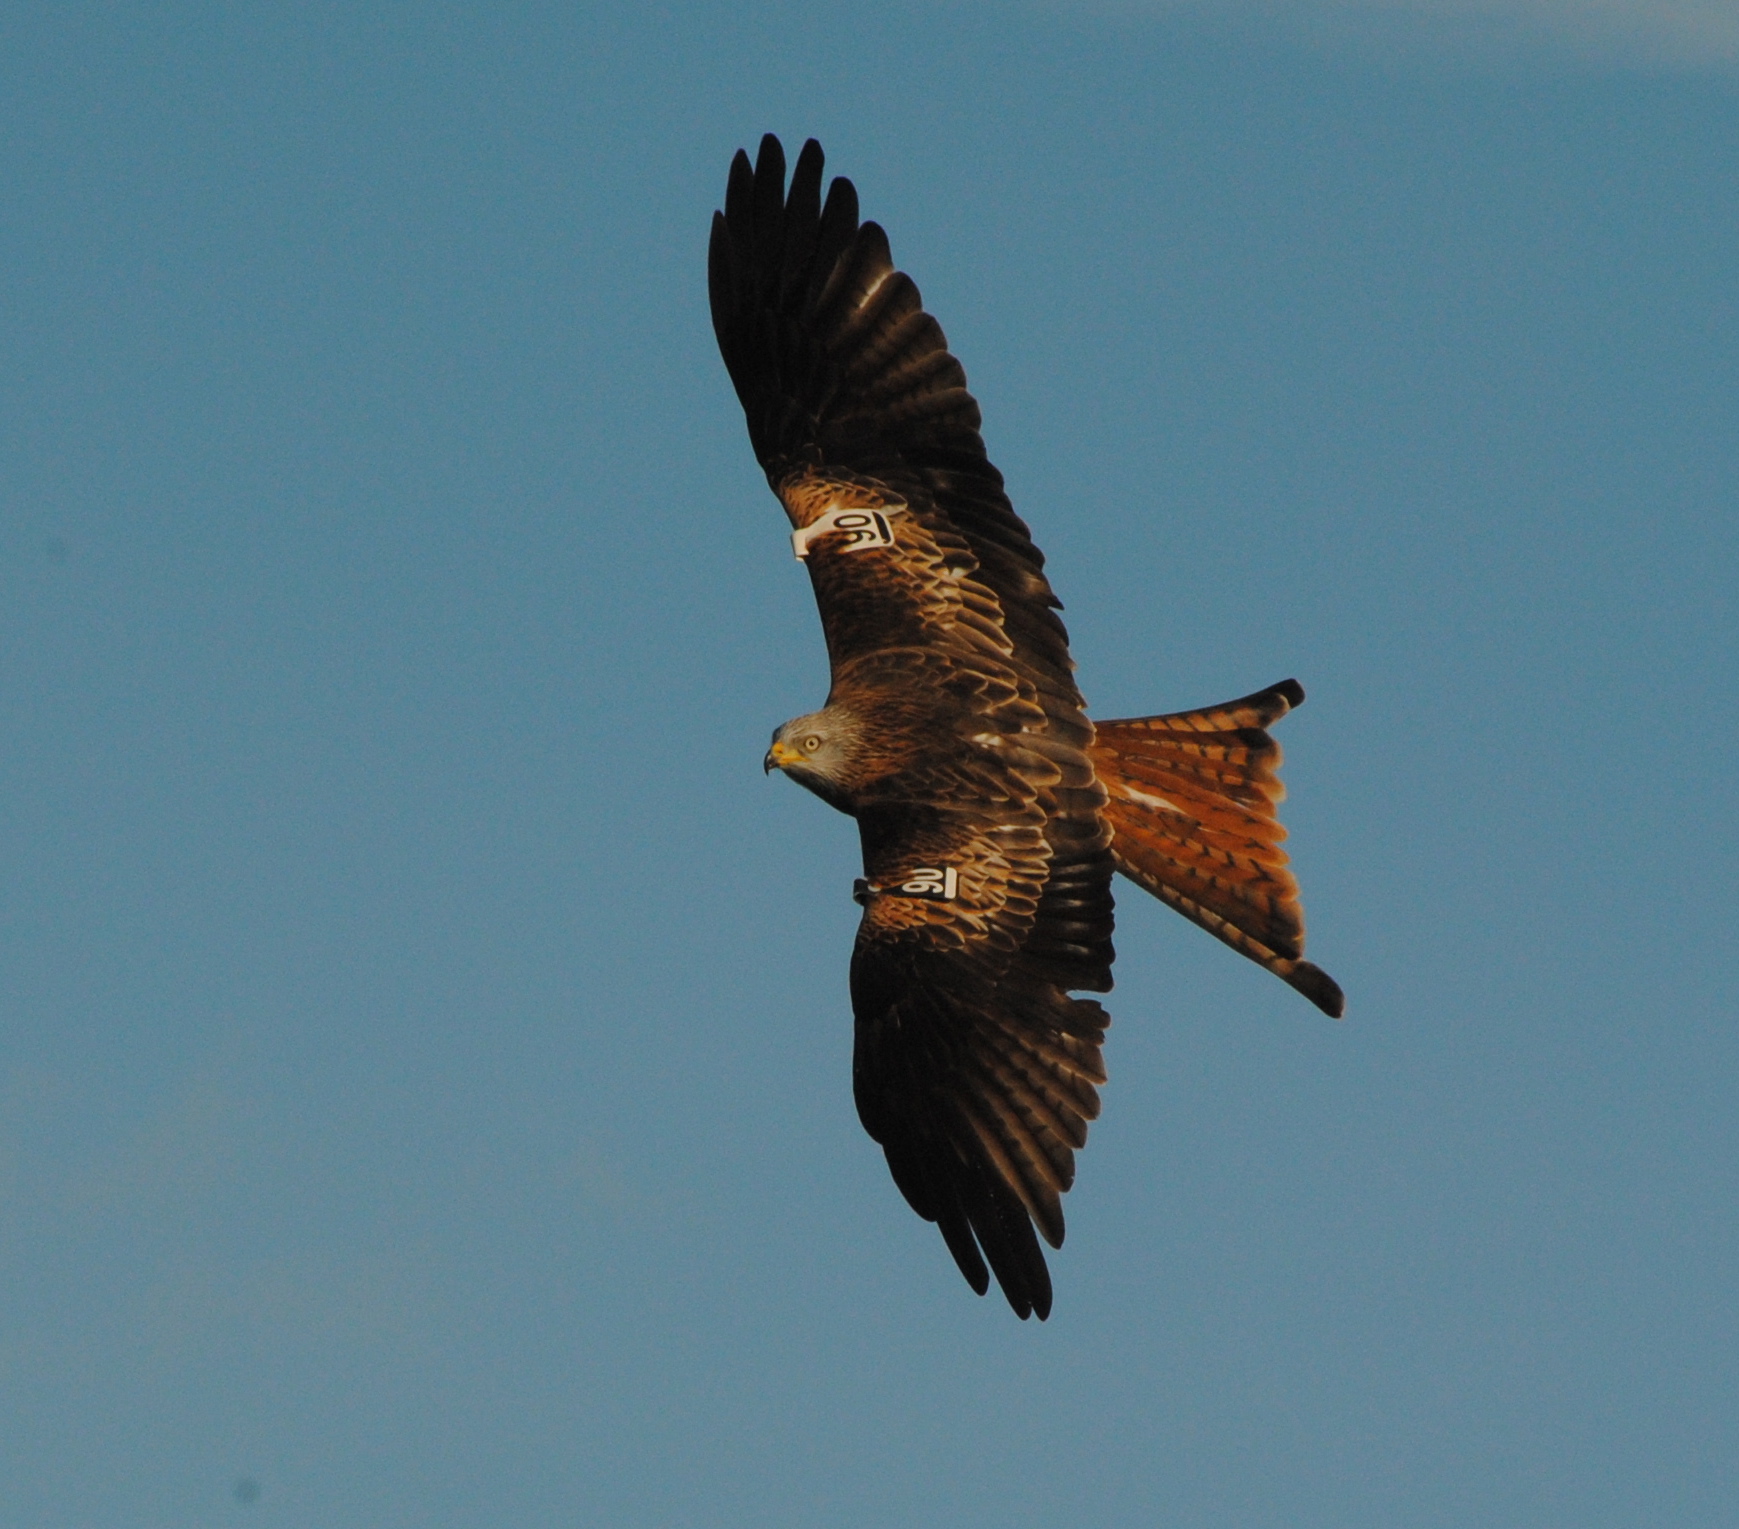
x,y
781,754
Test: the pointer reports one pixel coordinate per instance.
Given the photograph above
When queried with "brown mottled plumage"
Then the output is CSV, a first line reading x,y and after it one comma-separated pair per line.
x,y
992,816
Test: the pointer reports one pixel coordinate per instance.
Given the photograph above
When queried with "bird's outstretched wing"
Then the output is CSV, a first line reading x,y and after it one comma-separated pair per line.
x,y
852,398
974,1068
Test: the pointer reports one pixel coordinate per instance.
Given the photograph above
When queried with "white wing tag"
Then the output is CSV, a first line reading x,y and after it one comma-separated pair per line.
x,y
930,881
938,883
863,527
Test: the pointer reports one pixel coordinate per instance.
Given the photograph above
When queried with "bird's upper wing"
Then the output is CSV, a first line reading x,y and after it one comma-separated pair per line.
x,y
974,1067
853,401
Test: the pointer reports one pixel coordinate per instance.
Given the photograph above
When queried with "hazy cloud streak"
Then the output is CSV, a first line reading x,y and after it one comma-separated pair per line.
x,y
1694,33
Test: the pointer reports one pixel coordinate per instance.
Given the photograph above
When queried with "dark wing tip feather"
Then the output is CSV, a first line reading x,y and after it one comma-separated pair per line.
x,y
739,192
770,184
957,1234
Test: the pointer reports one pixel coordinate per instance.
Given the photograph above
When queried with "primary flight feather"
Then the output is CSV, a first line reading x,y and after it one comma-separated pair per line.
x,y
992,811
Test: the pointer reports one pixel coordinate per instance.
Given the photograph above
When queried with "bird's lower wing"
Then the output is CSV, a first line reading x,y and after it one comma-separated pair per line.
x,y
973,1068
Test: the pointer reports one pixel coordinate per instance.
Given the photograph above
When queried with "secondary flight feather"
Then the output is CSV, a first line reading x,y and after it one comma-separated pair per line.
x,y
993,813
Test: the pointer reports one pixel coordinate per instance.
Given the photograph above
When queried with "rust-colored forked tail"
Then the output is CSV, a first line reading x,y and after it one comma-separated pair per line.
x,y
1192,813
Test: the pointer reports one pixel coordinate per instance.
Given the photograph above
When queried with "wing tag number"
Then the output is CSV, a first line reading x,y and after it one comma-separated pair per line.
x,y
937,883
860,528
930,881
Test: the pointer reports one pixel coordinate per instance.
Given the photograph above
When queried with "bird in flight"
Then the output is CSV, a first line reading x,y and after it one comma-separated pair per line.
x,y
993,813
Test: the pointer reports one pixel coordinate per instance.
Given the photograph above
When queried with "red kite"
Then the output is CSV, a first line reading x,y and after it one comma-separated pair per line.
x,y
992,812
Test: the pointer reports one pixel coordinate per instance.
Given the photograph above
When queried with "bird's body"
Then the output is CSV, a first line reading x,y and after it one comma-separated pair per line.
x,y
992,812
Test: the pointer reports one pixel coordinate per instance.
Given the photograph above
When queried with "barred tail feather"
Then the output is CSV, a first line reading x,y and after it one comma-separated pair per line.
x,y
1192,799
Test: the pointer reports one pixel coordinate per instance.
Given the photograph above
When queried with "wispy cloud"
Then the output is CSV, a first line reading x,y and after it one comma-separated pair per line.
x,y
1677,33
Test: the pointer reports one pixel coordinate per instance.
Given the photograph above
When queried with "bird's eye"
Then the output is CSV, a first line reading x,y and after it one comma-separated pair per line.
x,y
811,743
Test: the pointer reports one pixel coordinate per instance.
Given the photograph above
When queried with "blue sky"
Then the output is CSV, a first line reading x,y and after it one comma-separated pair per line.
x,y
424,1044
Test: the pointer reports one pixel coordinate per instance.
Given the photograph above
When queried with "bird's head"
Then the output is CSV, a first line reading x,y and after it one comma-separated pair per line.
x,y
819,751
